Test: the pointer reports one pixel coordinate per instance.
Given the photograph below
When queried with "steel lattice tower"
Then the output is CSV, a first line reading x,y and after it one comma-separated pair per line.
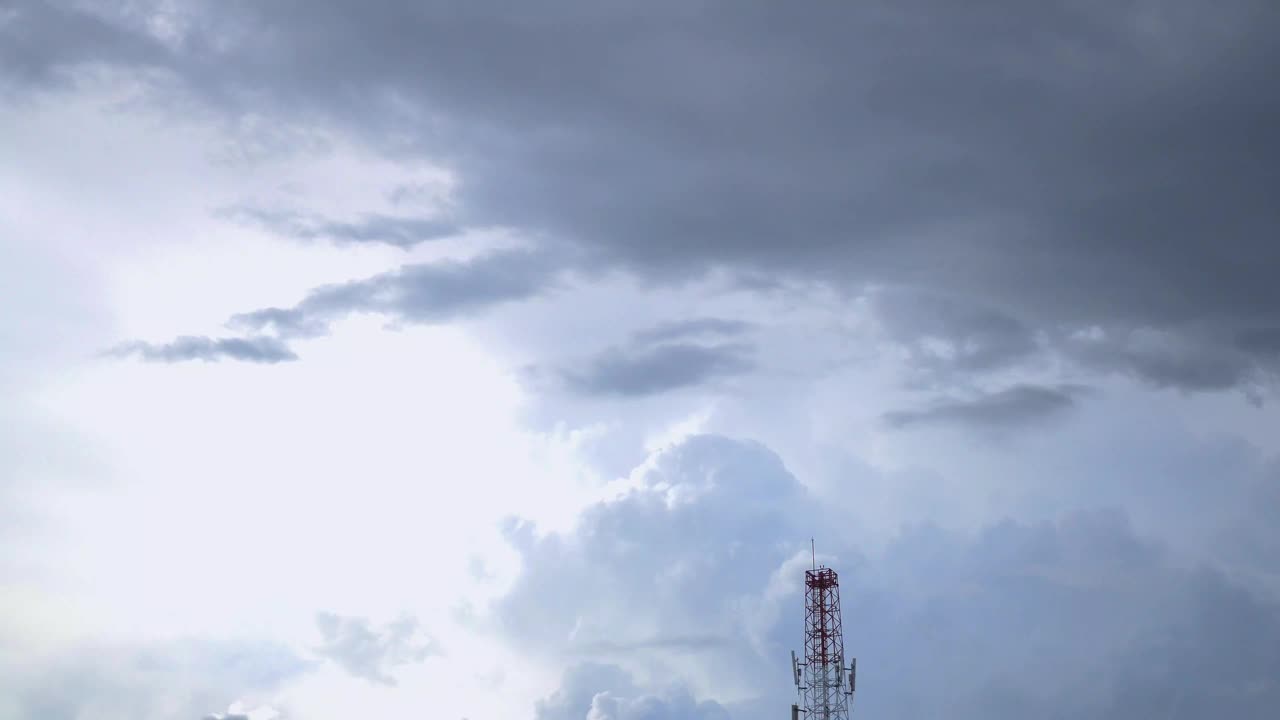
x,y
825,689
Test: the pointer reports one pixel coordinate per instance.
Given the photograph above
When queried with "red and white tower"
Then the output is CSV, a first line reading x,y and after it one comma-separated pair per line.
x,y
824,682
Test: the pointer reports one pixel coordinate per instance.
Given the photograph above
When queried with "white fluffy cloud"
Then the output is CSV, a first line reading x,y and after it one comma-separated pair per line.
x,y
142,681
592,691
696,573
370,653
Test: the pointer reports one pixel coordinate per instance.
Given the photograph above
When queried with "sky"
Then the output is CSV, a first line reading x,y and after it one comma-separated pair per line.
x,y
499,360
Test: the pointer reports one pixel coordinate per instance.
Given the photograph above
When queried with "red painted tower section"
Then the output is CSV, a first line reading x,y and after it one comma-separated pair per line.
x,y
825,684
823,647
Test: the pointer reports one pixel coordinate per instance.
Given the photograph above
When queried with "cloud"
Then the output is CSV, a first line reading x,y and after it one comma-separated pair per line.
x,y
45,41
237,711
420,293
1204,360
578,686
947,334
663,358
663,580
369,654
180,679
682,643
592,691
1007,620
694,327
1010,407
1068,166
1260,341
402,232
1226,641
674,706
638,371
259,349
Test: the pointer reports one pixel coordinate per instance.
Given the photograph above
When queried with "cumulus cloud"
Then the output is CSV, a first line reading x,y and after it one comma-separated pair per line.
x,y
673,558
371,654
593,691
1081,614
258,349
237,711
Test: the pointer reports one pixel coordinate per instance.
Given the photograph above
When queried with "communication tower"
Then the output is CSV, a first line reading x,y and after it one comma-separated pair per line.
x,y
825,684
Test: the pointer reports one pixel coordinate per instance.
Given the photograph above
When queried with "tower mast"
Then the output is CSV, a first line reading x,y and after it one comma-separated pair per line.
x,y
824,683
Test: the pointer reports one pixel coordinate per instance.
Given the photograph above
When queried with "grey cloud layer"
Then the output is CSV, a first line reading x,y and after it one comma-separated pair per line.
x,y
1080,163
973,337
1097,163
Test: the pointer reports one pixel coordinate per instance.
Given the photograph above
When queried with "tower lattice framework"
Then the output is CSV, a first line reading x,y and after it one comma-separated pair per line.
x,y
825,683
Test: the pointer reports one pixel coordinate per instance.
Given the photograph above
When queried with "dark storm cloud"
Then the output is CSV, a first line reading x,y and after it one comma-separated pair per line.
x,y
1190,360
252,349
1260,341
1081,164
41,40
368,653
1081,616
402,232
420,293
945,335
1194,368
1011,407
